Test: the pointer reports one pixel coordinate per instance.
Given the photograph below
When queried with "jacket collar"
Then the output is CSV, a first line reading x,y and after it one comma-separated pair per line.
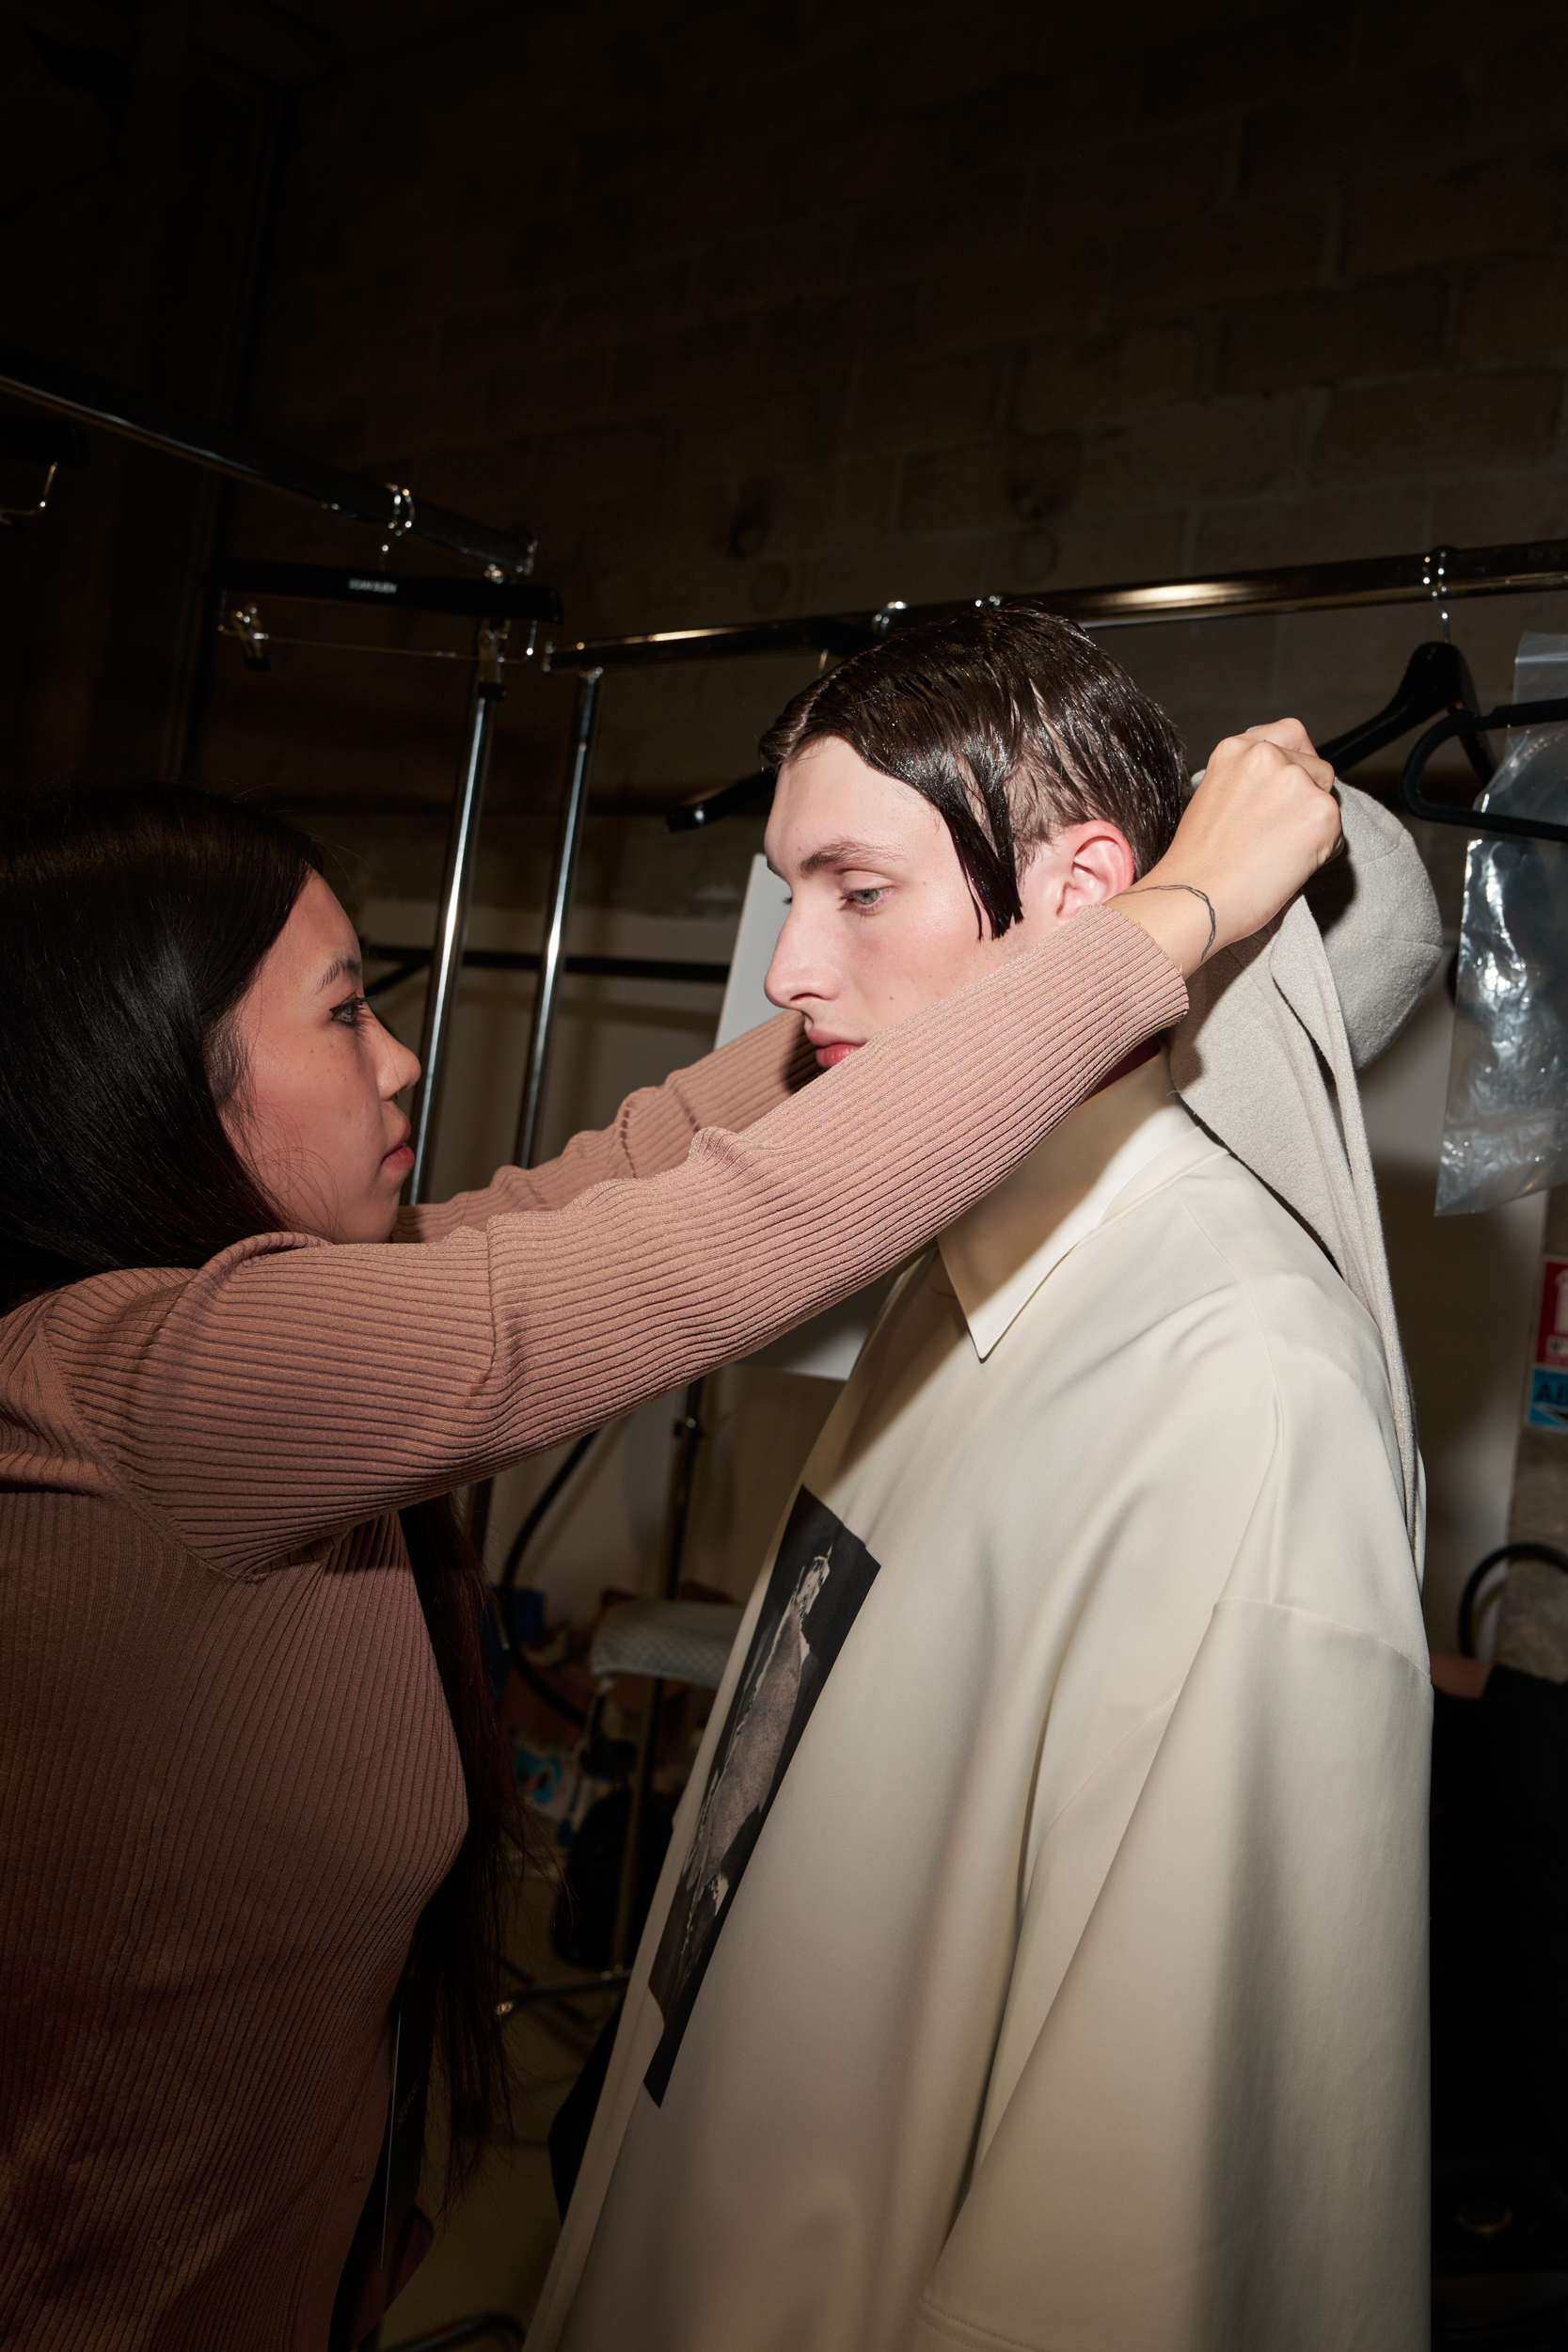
x,y
1000,1252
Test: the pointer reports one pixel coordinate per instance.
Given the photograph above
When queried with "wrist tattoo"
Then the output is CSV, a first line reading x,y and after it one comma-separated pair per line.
x,y
1193,892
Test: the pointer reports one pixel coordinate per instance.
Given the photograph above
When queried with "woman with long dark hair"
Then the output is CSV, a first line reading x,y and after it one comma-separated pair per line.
x,y
254,1807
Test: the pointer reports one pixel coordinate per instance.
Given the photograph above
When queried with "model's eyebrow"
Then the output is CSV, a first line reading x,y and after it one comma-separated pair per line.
x,y
851,854
341,968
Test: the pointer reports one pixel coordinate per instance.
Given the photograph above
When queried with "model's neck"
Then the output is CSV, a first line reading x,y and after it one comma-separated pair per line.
x,y
1075,1154
1048,1185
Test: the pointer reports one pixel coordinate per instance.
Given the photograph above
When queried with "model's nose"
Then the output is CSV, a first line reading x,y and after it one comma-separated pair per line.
x,y
795,970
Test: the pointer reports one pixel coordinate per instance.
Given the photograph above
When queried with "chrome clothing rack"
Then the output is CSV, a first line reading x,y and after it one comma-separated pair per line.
x,y
1438,577
501,596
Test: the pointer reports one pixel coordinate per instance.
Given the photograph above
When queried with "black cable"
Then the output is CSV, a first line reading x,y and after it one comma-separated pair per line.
x,y
526,1533
1548,1552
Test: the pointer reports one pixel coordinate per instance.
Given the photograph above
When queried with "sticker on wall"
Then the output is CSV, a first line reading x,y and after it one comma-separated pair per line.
x,y
1547,1406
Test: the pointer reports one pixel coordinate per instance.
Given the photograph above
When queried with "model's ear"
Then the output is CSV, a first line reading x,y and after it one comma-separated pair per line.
x,y
1080,867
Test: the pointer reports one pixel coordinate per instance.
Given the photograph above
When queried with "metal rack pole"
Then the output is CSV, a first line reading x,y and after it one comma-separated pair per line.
x,y
1495,571
689,1434
446,964
552,963
569,840
158,425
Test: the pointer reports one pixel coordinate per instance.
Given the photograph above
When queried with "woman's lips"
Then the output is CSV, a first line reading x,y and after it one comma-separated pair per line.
x,y
836,1049
400,1157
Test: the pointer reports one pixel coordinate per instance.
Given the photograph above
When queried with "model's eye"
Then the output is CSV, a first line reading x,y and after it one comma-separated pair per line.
x,y
868,897
348,1013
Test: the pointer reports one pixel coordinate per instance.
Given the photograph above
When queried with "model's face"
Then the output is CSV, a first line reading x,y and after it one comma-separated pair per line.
x,y
880,919
315,1117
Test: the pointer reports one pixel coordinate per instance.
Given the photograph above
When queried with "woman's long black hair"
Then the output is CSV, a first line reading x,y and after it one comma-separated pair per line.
x,y
131,924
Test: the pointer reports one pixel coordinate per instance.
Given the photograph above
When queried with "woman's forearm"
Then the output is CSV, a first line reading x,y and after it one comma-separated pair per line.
x,y
653,1130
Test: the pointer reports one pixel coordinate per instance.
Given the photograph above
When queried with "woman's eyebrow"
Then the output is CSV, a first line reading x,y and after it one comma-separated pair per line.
x,y
343,968
851,854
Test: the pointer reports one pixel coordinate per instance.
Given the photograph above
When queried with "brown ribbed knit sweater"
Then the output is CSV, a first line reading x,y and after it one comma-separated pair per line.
x,y
227,1780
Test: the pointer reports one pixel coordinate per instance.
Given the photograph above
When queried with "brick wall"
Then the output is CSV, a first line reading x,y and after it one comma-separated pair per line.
x,y
757,310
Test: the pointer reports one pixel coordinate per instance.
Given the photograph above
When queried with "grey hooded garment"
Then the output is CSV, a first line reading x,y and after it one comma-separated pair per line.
x,y
1277,1029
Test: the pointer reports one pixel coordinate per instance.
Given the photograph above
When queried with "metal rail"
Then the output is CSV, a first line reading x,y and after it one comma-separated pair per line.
x,y
408,961
386,592
1444,572
565,1988
569,840
456,888
225,449
552,965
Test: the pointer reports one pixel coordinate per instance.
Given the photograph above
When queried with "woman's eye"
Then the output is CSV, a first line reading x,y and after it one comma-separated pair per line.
x,y
868,897
348,1013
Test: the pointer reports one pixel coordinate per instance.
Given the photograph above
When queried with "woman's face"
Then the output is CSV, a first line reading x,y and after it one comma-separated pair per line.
x,y
315,1117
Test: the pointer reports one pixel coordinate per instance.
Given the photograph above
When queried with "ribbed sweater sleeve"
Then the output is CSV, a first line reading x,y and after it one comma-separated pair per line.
x,y
653,1130
292,1388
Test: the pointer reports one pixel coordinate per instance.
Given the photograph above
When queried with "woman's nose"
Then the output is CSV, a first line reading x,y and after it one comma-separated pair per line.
x,y
399,1067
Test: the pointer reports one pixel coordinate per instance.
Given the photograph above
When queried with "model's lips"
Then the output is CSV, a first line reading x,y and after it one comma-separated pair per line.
x,y
829,1050
399,1156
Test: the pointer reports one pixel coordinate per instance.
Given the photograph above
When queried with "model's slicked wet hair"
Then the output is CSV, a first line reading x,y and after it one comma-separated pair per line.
x,y
1013,723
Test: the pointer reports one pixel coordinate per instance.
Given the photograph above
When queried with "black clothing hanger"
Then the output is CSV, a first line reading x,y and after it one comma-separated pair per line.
x,y
1470,724
1437,678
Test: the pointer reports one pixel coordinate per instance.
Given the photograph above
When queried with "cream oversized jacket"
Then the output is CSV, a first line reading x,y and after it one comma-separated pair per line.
x,y
1040,1962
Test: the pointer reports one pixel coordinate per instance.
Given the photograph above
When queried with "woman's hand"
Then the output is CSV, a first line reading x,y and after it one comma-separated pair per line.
x,y
1261,822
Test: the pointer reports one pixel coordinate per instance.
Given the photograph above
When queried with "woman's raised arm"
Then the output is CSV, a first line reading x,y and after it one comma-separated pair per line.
x,y
292,1388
